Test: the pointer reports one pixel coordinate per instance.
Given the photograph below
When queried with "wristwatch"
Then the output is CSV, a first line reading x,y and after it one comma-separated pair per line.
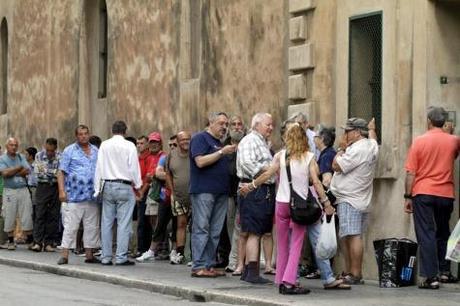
x,y
407,196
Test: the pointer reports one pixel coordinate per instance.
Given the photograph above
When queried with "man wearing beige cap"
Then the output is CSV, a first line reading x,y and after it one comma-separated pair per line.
x,y
354,167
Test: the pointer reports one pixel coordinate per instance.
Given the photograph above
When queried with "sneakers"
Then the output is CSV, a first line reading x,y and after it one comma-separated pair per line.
x,y
149,255
11,246
176,258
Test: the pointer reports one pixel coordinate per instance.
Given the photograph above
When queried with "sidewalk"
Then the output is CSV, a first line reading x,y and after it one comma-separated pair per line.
x,y
175,280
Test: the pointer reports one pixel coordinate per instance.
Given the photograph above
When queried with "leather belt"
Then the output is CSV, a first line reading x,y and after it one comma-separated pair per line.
x,y
119,181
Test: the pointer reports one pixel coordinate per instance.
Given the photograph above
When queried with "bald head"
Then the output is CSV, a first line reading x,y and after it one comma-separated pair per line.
x,y
183,141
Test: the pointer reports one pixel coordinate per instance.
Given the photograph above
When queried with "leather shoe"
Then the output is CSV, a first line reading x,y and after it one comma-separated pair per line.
x,y
126,263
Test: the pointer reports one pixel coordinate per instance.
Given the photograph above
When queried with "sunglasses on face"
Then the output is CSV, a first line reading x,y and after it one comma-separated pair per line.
x,y
171,145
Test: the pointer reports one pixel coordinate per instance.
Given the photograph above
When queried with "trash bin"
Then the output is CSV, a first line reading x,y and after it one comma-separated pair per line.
x,y
396,262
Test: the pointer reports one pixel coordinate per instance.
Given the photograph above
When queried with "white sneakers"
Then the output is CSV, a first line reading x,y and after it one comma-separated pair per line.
x,y
175,258
149,255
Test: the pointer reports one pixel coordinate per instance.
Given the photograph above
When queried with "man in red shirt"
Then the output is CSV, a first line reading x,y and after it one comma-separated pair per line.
x,y
149,155
429,194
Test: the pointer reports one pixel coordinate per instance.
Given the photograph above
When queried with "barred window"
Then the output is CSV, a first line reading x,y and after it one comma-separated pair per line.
x,y
103,24
4,67
365,68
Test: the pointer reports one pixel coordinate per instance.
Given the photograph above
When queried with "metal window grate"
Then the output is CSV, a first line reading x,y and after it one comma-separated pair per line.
x,y
365,68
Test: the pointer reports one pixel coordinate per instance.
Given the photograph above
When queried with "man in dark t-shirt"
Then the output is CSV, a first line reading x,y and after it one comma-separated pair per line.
x,y
209,189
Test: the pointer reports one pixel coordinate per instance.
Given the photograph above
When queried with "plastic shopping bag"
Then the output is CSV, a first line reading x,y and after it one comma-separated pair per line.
x,y
396,260
327,242
453,244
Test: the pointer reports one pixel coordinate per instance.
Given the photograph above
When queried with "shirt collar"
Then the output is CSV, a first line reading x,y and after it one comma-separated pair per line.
x,y
259,136
435,130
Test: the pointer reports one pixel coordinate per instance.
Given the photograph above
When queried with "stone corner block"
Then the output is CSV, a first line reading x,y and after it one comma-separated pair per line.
x,y
297,87
297,28
308,108
301,57
296,6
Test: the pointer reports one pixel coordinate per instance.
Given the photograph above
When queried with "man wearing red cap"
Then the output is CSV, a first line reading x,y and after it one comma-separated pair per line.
x,y
151,209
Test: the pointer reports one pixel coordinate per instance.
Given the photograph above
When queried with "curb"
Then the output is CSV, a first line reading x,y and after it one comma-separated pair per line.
x,y
191,294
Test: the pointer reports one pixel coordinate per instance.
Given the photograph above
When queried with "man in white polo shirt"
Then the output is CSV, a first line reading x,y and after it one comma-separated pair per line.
x,y
354,167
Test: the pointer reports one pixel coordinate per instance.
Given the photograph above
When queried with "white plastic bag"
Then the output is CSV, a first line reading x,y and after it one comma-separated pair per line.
x,y
327,241
453,244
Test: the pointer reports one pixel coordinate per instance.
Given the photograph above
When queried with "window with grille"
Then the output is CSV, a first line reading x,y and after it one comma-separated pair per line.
x,y
365,68
102,84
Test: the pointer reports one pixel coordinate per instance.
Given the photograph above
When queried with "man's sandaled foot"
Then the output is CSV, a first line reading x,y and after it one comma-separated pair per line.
x,y
337,285
203,273
63,261
429,283
448,278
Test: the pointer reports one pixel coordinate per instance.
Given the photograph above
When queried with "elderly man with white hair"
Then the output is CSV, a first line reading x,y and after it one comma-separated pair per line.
x,y
16,197
257,208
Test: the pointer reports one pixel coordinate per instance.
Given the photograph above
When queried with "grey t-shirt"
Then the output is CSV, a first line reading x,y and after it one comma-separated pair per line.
x,y
179,166
354,184
16,181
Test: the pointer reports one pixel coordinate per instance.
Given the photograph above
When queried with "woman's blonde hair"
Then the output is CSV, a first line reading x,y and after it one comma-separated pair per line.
x,y
296,142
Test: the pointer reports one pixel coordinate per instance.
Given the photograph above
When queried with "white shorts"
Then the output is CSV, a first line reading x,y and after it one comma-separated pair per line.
x,y
72,215
17,202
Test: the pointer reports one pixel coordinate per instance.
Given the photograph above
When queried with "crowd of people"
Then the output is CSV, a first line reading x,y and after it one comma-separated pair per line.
x,y
219,199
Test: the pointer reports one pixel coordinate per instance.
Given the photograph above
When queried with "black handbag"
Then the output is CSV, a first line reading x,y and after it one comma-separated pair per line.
x,y
303,211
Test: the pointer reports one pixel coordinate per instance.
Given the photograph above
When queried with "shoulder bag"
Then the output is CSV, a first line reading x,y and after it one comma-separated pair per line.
x,y
303,211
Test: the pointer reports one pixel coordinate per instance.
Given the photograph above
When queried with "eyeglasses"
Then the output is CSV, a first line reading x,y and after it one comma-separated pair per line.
x,y
171,145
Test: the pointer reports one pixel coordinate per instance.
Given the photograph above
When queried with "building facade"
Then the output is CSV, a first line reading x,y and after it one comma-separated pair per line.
x,y
164,64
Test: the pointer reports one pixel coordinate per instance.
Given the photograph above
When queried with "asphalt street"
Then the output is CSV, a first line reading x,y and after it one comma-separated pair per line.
x,y
23,287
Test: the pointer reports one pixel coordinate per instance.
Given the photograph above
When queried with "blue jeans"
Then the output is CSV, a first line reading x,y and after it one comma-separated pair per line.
x,y
118,202
324,266
208,213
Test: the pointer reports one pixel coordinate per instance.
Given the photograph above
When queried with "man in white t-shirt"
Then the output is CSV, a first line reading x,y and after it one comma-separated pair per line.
x,y
354,167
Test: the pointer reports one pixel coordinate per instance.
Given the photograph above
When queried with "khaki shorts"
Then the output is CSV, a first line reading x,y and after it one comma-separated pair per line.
x,y
17,202
151,207
180,208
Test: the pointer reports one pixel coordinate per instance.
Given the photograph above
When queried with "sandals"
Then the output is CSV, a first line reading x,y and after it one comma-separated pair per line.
x,y
237,273
203,273
293,290
270,272
337,285
447,278
429,283
350,279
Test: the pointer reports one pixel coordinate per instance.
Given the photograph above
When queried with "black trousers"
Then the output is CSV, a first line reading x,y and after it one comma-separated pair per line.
x,y
144,228
431,220
163,219
47,211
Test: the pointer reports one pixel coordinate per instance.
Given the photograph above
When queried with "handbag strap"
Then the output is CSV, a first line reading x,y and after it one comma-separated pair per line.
x,y
288,171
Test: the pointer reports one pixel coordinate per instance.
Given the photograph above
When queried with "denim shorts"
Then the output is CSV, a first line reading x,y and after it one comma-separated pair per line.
x,y
257,210
351,220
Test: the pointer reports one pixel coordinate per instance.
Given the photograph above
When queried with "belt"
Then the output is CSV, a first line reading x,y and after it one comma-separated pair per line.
x,y
47,183
119,181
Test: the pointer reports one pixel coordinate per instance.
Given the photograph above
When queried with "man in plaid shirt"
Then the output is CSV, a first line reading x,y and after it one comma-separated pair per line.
x,y
258,207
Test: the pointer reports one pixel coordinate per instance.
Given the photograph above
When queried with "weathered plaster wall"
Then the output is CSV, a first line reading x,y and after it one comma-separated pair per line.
x,y
244,56
42,70
143,41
